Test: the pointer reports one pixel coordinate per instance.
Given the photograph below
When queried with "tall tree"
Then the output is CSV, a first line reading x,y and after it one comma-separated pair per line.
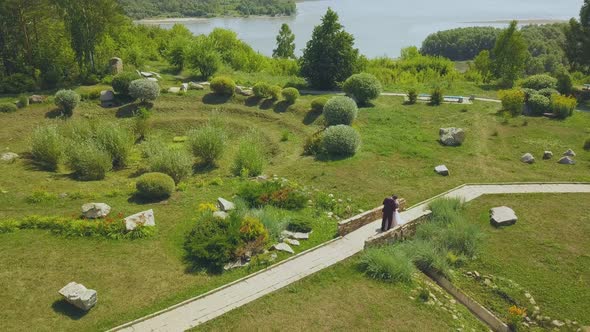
x,y
285,43
330,56
577,45
510,55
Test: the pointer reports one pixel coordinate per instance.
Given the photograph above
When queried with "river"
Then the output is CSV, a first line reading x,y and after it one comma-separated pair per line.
x,y
384,27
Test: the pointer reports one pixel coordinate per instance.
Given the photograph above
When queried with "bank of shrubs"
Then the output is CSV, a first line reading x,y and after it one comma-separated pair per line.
x,y
264,90
276,193
121,82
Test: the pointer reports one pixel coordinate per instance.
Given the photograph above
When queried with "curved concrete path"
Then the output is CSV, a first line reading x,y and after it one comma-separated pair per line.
x,y
198,310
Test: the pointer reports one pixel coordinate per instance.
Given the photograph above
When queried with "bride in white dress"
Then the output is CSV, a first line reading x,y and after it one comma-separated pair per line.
x,y
397,218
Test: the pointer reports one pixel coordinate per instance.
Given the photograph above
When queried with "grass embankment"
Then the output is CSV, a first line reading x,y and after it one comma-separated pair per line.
x,y
134,278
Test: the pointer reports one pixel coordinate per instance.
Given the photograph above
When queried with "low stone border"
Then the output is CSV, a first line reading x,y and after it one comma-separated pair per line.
x,y
477,309
352,224
398,233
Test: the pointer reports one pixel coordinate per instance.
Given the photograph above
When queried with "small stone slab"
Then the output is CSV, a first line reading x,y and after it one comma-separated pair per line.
x,y
95,210
527,158
569,153
295,235
220,214
145,218
547,155
153,79
442,170
184,87
79,296
195,86
174,90
146,74
283,247
502,216
292,242
567,161
9,157
235,265
225,205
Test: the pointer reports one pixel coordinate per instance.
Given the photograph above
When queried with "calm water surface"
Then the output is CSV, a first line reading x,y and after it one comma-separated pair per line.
x,y
384,27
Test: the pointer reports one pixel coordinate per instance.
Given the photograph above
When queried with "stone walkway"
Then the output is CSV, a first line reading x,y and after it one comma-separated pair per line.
x,y
198,310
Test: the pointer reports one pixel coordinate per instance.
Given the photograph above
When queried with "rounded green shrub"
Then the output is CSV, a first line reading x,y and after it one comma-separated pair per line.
x,y
341,140
251,229
275,92
291,95
528,93
340,111
363,87
207,143
261,90
317,104
538,82
144,90
548,92
67,101
47,147
512,101
7,108
88,161
155,186
223,86
121,82
539,104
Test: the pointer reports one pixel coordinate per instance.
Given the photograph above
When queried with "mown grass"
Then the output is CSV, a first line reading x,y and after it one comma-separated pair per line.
x,y
546,253
134,278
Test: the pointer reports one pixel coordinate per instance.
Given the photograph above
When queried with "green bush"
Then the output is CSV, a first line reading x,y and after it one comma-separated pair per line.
x,y
23,101
363,87
261,90
17,83
341,140
47,147
317,104
512,101
117,141
301,226
92,94
273,193
340,111
528,93
564,83
251,229
275,92
121,82
88,161
177,163
538,82
436,97
563,106
7,108
142,123
291,95
548,92
587,144
207,143
461,237
144,90
67,101
155,186
249,159
313,144
387,264
412,96
223,86
427,257
539,104
445,210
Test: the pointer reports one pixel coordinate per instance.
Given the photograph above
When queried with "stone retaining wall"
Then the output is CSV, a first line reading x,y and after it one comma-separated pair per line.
x,y
398,233
352,224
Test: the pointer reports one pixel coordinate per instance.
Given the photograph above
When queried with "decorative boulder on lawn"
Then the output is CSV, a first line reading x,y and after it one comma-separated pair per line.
x,y
95,210
225,205
295,235
452,136
283,247
547,155
184,87
116,65
569,153
9,157
442,170
567,161
527,158
107,98
145,218
502,216
36,99
195,86
174,90
79,296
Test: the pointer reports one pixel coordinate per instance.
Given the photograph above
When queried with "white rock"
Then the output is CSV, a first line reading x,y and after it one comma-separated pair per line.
x,y
146,74
451,136
79,296
567,161
527,158
295,235
283,247
145,218
153,79
174,90
184,87
220,214
547,155
557,323
502,216
107,98
442,170
225,205
292,242
569,153
9,157
195,86
95,210
234,265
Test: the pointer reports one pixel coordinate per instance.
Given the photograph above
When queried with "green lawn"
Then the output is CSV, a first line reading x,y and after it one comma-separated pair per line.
x,y
341,298
134,278
546,253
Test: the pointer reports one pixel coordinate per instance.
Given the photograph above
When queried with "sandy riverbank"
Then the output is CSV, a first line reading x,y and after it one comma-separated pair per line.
x,y
526,22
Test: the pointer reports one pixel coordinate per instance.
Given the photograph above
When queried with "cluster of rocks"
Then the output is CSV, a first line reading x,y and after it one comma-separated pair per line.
x,y
440,299
247,92
567,158
289,239
102,210
502,216
451,136
224,207
150,75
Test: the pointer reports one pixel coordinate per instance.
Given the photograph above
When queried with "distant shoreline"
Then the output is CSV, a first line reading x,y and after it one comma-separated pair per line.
x,y
172,20
528,21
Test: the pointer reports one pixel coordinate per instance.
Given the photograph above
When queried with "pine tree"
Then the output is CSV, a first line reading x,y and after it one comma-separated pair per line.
x,y
510,54
285,43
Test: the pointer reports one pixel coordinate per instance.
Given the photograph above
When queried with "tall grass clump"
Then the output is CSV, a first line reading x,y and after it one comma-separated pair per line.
x,y
446,210
47,147
207,143
427,256
249,160
177,163
461,237
117,141
88,161
387,264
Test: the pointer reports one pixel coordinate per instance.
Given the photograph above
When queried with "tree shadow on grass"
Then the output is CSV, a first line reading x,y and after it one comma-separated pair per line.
x,y
311,117
253,101
326,157
282,106
54,114
267,104
130,110
64,308
141,200
202,168
196,267
215,99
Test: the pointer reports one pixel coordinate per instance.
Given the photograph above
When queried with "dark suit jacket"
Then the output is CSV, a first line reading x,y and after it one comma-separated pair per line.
x,y
389,205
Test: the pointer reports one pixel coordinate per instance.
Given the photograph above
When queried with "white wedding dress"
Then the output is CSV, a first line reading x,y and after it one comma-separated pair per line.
x,y
397,219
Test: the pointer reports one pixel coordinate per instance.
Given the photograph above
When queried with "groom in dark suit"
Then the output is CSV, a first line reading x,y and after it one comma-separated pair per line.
x,y
389,207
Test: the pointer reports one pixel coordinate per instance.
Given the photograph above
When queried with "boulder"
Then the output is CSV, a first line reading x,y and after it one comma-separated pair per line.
x,y
292,242
184,87
153,79
145,218
205,84
235,265
79,296
502,216
295,235
107,98
283,247
442,170
116,65
174,90
569,153
36,99
225,205
527,158
195,86
240,90
452,136
146,74
220,214
9,157
95,210
567,161
547,155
